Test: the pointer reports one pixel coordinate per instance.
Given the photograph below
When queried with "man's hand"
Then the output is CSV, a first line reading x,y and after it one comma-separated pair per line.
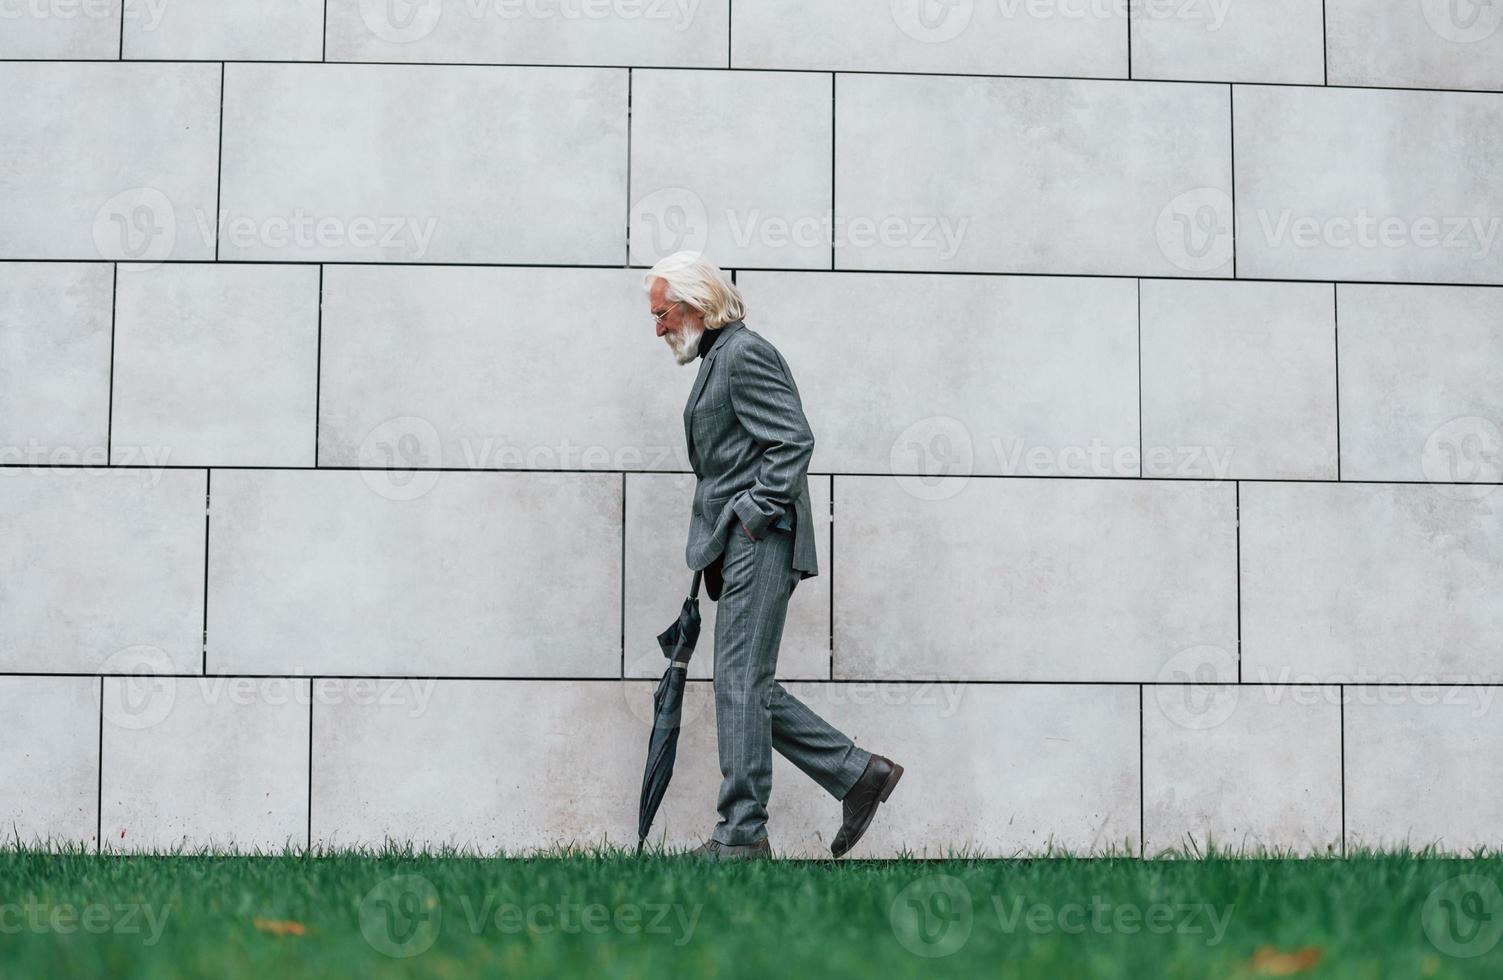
x,y
747,530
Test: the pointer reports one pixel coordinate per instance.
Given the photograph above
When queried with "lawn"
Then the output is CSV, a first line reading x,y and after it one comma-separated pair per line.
x,y
609,914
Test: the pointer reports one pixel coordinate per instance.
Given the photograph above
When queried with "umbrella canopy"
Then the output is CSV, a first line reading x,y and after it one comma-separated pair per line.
x,y
677,642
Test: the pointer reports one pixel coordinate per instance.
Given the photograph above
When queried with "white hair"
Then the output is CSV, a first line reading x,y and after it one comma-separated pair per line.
x,y
701,284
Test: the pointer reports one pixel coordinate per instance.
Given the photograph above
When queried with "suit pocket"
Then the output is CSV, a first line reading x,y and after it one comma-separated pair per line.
x,y
709,419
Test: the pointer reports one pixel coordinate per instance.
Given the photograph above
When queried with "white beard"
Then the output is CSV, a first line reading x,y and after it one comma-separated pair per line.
x,y
688,350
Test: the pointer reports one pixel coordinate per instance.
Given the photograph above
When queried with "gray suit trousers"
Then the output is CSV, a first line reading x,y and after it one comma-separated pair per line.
x,y
753,712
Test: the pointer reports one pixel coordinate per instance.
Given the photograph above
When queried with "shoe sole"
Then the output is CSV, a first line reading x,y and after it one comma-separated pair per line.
x,y
887,788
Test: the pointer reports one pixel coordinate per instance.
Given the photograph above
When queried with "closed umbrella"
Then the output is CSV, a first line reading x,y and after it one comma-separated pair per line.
x,y
677,642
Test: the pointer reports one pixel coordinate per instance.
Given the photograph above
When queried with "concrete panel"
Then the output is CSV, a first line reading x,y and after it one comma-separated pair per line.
x,y
216,762
95,563
72,32
434,574
1368,186
1423,765
657,582
414,163
54,362
216,365
1424,44
49,759
678,34
1369,582
226,30
734,164
1239,379
1074,177
119,161
1242,767
1036,580
498,368
1041,378
370,780
1084,40
1245,41
1420,398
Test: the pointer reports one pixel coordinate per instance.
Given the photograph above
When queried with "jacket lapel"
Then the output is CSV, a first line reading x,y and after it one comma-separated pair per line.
x,y
700,379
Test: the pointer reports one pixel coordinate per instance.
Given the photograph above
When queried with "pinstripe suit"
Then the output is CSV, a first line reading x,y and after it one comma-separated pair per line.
x,y
750,445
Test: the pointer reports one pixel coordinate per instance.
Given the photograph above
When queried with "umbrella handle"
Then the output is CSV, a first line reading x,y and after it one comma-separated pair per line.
x,y
694,589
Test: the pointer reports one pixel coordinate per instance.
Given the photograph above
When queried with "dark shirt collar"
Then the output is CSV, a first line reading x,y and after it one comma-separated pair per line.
x,y
709,339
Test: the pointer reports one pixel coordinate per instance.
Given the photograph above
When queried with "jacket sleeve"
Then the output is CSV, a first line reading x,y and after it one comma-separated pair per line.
x,y
767,405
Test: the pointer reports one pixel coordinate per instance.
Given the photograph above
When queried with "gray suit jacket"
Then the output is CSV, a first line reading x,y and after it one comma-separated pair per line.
x,y
749,445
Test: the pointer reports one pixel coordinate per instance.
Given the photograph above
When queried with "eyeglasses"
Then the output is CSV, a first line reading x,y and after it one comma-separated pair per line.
x,y
659,316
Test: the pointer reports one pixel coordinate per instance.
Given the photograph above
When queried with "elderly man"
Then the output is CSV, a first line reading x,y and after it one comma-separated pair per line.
x,y
752,531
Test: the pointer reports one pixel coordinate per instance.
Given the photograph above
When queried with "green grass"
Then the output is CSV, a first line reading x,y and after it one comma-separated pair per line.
x,y
604,913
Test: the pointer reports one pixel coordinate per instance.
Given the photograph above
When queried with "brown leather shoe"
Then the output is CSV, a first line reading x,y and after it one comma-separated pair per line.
x,y
860,804
716,851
